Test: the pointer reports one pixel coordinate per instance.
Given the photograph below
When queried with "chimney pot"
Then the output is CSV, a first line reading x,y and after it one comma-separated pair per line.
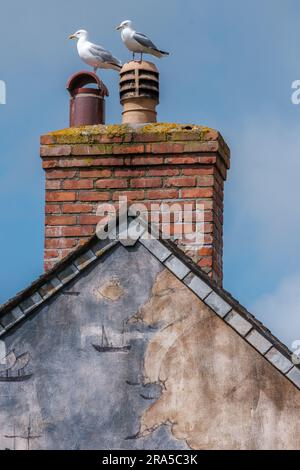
x,y
139,92
87,105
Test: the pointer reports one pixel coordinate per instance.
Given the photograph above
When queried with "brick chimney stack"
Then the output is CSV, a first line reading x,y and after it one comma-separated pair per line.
x,y
148,163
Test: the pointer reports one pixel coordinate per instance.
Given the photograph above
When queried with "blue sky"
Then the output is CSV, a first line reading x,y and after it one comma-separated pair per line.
x,y
231,67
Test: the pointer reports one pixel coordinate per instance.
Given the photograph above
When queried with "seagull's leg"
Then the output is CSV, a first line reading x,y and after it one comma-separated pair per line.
x,y
141,57
95,69
133,56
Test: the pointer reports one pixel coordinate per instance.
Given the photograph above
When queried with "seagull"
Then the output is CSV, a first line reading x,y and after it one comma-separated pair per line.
x,y
138,42
93,55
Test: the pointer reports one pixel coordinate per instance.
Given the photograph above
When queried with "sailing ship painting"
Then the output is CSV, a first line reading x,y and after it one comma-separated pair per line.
x,y
107,347
28,437
13,370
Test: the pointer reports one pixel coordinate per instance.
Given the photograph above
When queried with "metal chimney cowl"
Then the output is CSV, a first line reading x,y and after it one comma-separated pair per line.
x,y
87,105
139,92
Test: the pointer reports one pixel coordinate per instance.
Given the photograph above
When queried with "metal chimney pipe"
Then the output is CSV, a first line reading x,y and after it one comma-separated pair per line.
x,y
87,105
139,92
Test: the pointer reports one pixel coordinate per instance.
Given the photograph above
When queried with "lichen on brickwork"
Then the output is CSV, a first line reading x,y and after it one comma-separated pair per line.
x,y
86,134
78,135
167,128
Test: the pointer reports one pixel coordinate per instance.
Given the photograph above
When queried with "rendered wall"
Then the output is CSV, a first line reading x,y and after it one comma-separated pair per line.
x,y
177,378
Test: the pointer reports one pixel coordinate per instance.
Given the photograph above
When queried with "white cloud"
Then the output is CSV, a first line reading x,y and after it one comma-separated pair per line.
x,y
263,194
281,309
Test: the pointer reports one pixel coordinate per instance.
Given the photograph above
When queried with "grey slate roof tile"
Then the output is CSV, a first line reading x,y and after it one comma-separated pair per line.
x,y
156,248
294,376
279,360
30,303
12,317
103,245
218,304
85,259
240,324
68,274
258,341
199,287
50,288
8,320
177,267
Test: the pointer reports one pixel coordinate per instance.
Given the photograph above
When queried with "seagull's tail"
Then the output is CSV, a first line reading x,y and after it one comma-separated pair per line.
x,y
116,67
159,53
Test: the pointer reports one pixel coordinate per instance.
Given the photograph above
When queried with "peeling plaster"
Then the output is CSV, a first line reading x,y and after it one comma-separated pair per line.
x,y
110,290
218,392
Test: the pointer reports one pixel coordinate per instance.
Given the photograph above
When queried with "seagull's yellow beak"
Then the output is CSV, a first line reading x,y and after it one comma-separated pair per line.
x,y
72,36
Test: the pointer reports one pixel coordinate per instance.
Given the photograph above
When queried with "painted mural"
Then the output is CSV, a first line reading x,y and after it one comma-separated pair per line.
x,y
128,358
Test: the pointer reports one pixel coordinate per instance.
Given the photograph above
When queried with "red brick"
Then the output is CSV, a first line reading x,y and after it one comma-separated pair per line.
x,y
197,192
197,171
95,173
93,196
131,195
144,161
53,232
49,163
193,147
180,182
56,151
207,228
112,184
110,161
54,196
177,229
81,162
78,184
165,148
205,180
89,219
205,251
146,183
163,172
128,149
66,252
162,194
92,150
60,174
47,140
60,243
60,220
128,172
77,208
207,262
85,230
52,209
51,254
53,184
176,160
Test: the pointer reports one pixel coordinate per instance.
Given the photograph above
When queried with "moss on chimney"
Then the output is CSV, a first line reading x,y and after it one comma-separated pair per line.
x,y
85,134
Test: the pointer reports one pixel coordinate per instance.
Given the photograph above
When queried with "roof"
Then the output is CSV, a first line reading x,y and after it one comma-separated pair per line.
x,y
221,302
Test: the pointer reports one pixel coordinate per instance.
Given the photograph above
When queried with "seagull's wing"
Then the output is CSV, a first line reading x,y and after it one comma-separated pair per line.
x,y
144,41
104,55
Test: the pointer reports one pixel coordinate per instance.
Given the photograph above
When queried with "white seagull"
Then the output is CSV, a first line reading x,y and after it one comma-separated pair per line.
x,y
138,42
93,55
